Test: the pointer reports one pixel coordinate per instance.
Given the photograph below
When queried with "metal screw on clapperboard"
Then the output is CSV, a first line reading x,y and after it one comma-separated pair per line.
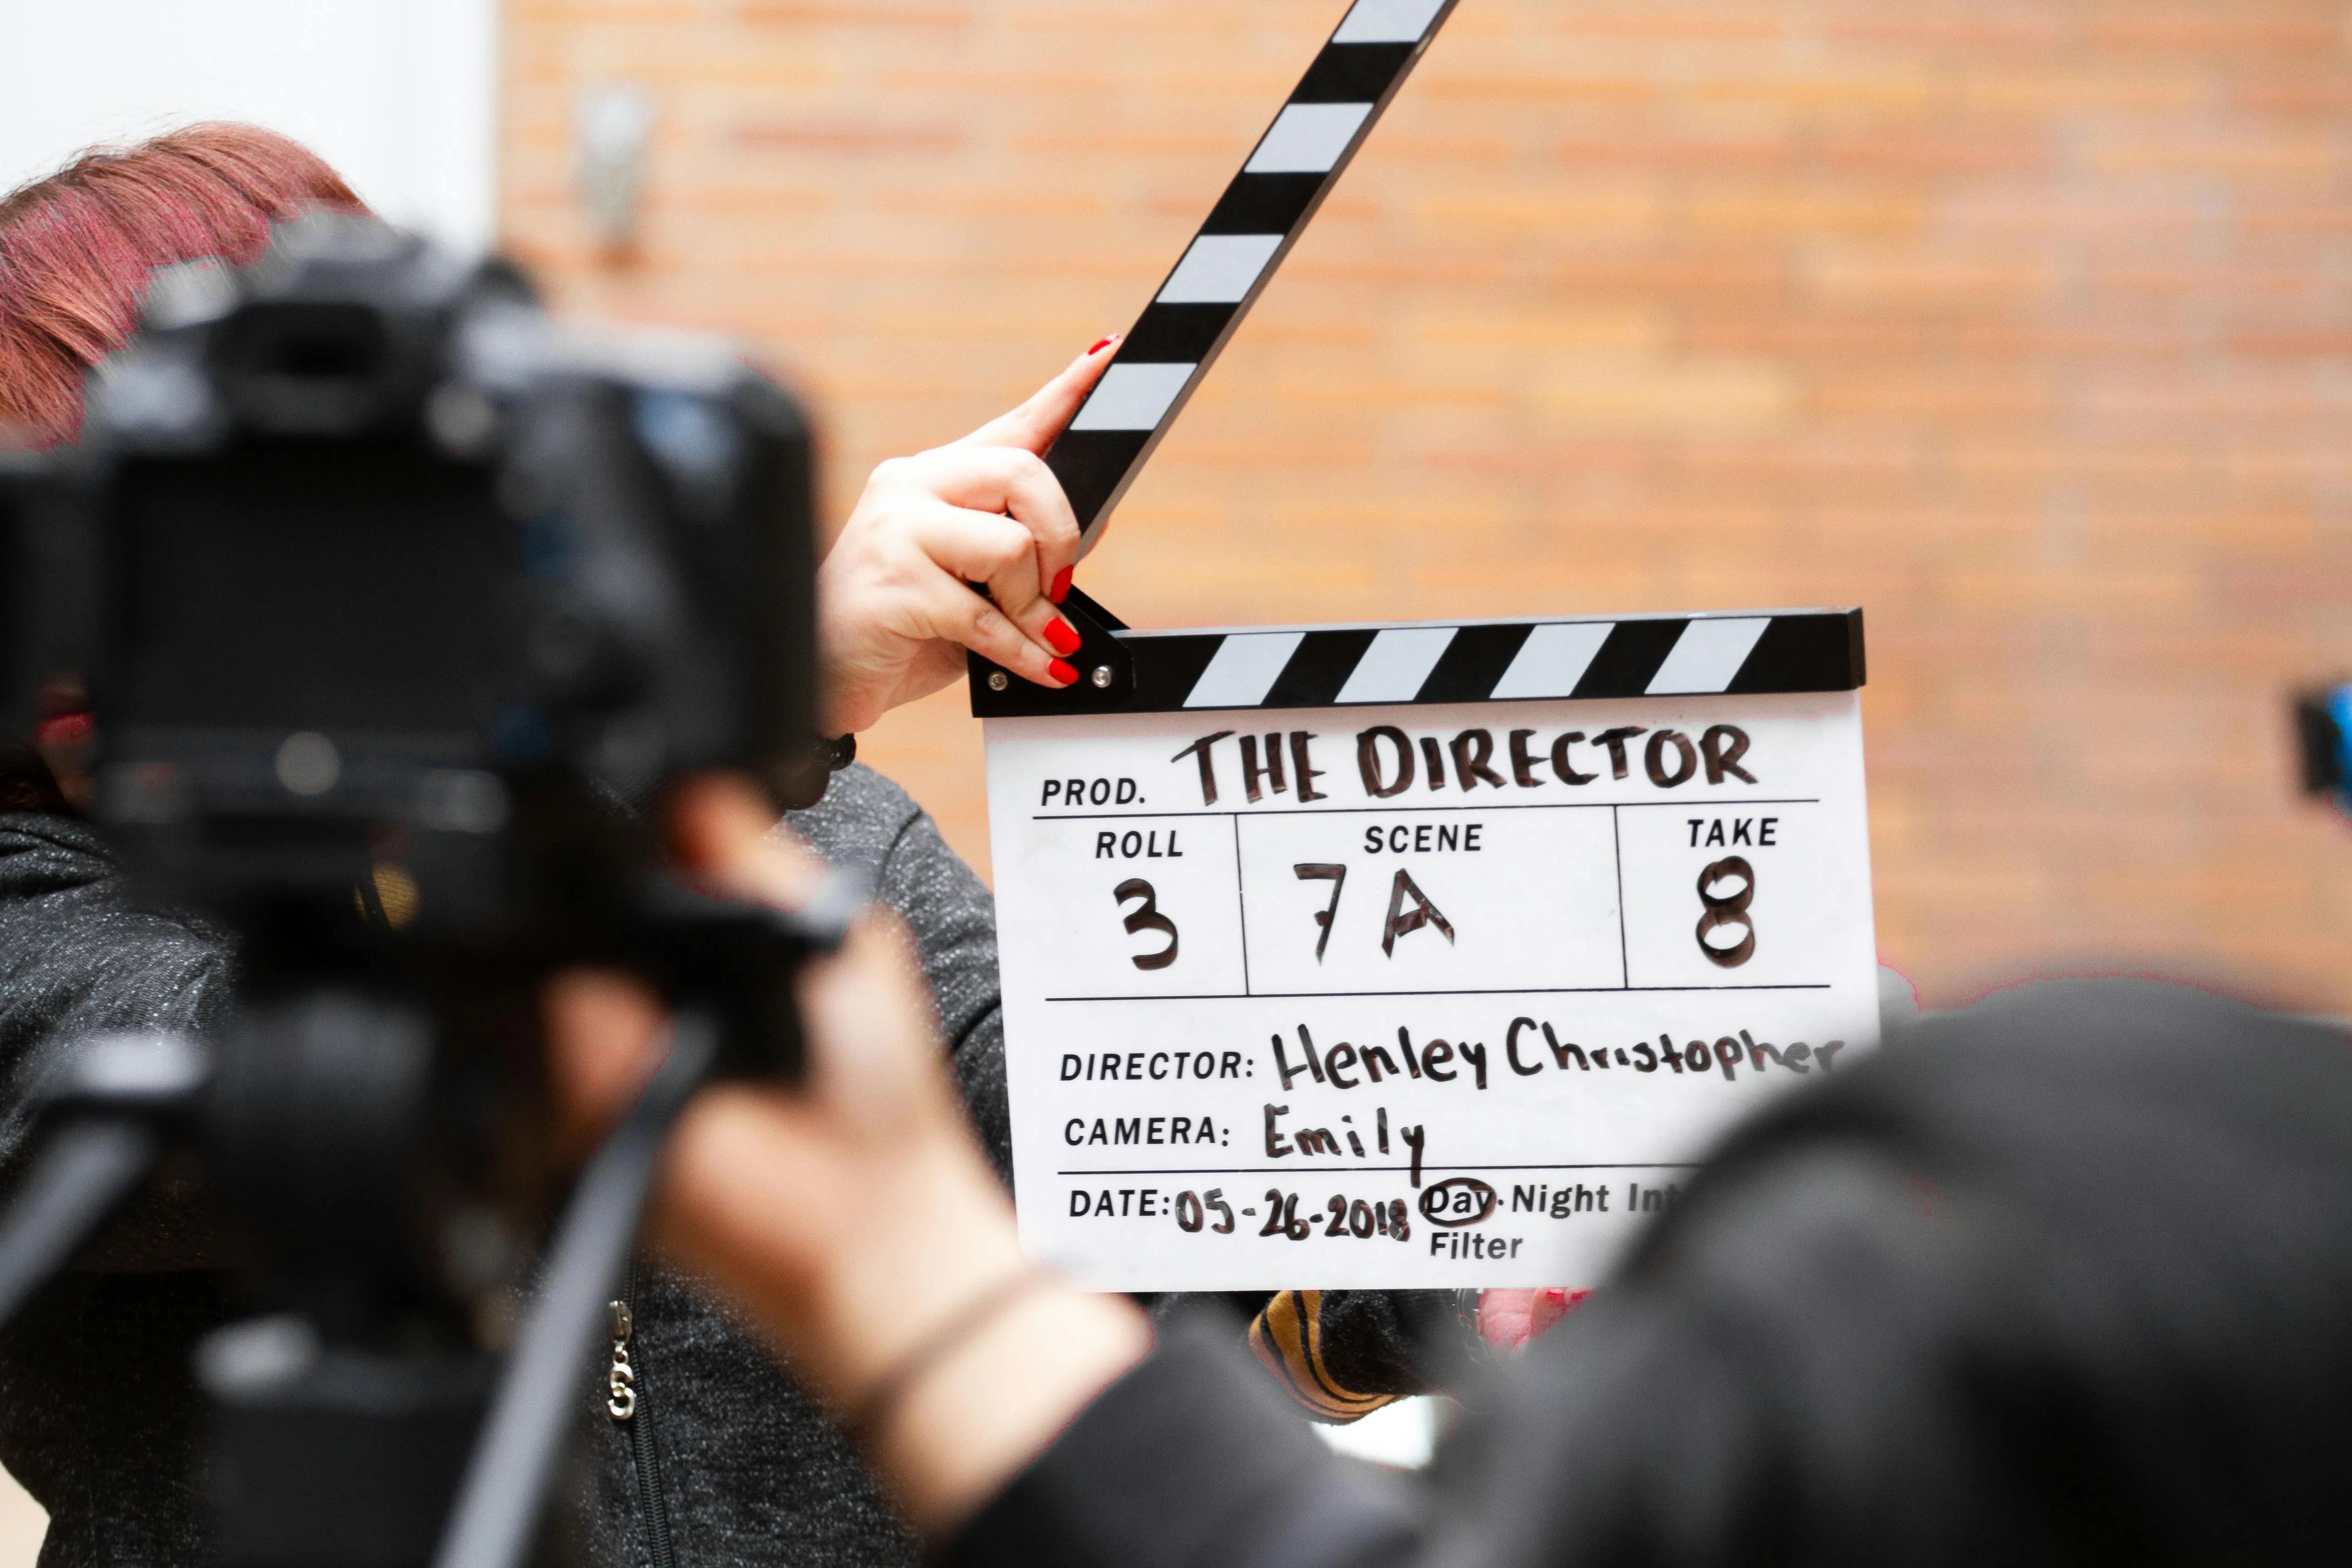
x,y
1102,677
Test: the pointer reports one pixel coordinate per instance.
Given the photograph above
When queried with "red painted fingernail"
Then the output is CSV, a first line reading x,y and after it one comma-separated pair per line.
x,y
1102,345
1063,671
1059,636
71,729
1061,588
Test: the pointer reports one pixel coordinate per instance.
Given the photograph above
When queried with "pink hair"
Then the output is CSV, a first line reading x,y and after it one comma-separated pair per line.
x,y
76,249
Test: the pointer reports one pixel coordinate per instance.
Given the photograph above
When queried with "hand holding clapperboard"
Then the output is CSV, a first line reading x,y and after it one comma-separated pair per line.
x,y
1426,955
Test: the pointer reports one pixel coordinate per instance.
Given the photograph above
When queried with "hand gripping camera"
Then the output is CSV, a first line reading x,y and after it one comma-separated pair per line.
x,y
396,606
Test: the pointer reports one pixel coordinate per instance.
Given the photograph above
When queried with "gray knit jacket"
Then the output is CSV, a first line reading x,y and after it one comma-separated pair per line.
x,y
99,1417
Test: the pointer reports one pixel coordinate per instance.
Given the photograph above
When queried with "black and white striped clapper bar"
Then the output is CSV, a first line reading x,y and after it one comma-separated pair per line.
x,y
1473,661
1252,227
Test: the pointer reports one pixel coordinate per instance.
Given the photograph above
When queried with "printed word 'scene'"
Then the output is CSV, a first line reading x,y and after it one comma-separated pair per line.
x,y
1424,839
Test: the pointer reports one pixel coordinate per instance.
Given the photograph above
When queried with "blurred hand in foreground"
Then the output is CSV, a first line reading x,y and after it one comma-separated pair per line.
x,y
894,611
854,1217
1508,1320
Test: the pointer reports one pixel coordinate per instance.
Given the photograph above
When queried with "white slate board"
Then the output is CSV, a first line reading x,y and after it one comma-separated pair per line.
x,y
1237,1110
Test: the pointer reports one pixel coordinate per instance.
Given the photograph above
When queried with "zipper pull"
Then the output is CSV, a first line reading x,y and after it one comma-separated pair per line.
x,y
621,1379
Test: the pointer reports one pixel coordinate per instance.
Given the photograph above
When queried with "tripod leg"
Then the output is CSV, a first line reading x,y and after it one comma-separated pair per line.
x,y
506,1484
86,1169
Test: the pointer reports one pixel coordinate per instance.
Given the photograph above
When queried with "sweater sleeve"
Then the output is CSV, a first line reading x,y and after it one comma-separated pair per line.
x,y
955,917
866,821
77,958
1192,1461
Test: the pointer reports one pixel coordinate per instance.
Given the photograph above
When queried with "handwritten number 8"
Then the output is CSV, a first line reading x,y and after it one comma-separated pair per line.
x,y
1147,918
1721,912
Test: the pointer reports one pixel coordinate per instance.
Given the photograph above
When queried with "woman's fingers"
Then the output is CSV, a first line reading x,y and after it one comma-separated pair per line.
x,y
1034,424
973,621
1007,481
1016,626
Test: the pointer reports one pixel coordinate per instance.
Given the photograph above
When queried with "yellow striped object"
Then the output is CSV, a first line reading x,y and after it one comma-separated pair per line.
x,y
1287,1337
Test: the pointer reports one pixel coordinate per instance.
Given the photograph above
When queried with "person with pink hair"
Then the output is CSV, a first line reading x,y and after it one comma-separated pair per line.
x,y
76,249
724,1456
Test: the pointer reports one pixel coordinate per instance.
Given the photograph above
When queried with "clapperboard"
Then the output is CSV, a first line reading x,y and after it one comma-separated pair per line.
x,y
1410,955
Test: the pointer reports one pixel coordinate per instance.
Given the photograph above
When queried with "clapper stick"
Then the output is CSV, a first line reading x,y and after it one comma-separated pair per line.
x,y
1253,227
1171,346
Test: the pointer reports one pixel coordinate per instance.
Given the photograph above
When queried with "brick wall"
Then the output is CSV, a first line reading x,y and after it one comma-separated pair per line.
x,y
2026,324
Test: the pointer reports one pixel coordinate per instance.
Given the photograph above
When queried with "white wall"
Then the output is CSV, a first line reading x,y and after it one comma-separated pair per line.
x,y
400,96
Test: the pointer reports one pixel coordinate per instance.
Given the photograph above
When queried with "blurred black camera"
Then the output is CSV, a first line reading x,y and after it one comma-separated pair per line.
x,y
376,579
395,607
30,528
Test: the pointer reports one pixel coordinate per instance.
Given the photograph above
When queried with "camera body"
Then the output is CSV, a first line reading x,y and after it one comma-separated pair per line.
x,y
395,607
378,581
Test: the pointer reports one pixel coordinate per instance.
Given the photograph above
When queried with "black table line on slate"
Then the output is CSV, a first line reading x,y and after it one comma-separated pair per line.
x,y
1357,1170
1617,853
1487,991
1401,810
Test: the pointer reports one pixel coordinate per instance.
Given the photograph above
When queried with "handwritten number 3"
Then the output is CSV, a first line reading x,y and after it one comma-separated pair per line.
x,y
1720,912
1149,918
